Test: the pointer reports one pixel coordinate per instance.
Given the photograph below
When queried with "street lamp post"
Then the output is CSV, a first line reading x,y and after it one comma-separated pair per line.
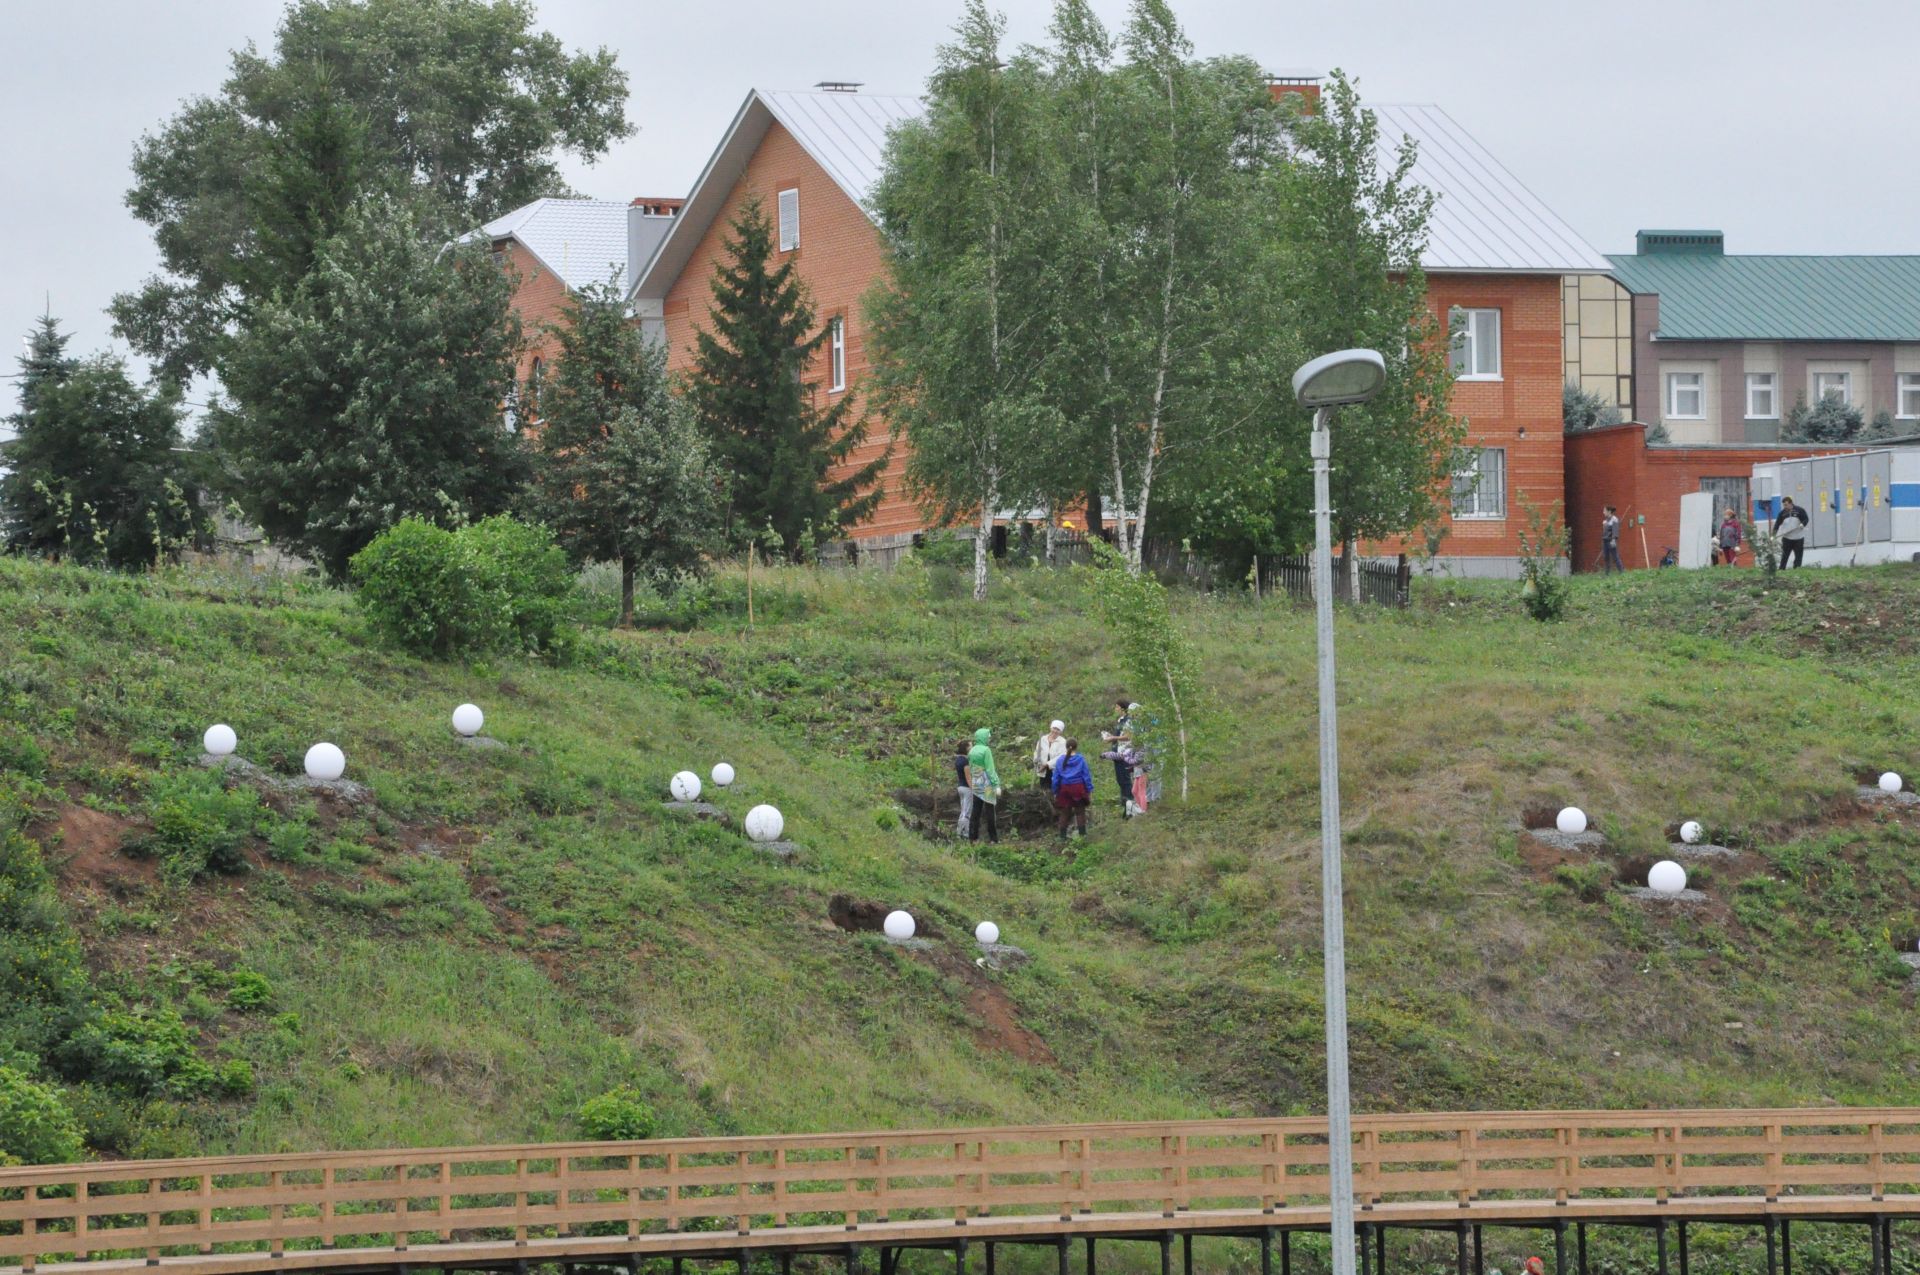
x,y
1346,376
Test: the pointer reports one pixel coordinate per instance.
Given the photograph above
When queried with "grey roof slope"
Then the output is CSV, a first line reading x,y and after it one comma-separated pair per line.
x,y
1485,219
1709,297
582,240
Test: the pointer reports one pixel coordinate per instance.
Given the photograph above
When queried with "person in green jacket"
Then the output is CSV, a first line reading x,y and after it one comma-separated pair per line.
x,y
984,778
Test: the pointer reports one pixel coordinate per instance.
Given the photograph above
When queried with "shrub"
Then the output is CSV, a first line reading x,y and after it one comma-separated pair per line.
x,y
35,1125
199,824
1582,410
235,1079
1544,545
43,981
248,989
146,1051
1831,420
618,1115
498,585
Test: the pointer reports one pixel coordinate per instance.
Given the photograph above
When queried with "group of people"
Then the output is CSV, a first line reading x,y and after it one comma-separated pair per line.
x,y
1789,528
1060,769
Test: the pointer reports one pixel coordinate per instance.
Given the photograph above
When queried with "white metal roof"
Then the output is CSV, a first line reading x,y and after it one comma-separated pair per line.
x,y
582,240
1484,218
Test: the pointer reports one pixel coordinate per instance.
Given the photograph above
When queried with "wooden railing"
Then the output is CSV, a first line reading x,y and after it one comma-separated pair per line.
x,y
625,1196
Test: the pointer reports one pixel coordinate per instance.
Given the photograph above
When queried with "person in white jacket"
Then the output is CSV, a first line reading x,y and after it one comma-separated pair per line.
x,y
1047,752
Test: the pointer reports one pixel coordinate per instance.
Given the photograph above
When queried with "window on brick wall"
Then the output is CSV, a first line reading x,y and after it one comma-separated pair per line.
x,y
1480,483
1909,401
1687,395
1763,404
1474,350
837,355
789,220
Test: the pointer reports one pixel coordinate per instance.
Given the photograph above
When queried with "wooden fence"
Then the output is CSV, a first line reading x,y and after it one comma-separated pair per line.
x,y
580,1199
1378,583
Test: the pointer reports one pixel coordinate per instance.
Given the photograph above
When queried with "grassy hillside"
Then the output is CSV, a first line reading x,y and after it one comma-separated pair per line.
x,y
498,935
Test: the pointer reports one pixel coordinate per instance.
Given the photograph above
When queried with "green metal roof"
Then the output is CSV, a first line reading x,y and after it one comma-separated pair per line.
x,y
1707,297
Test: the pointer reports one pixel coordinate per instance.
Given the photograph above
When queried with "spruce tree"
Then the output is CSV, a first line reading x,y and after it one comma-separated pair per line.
x,y
621,473
780,446
95,474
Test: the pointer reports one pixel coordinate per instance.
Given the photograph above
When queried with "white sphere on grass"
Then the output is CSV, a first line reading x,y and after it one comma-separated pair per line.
x,y
220,740
1667,877
1890,782
986,933
764,823
1571,820
326,762
468,719
899,926
722,775
1691,832
686,786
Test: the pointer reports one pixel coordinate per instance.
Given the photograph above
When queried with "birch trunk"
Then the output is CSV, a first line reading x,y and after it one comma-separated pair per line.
x,y
1179,725
983,542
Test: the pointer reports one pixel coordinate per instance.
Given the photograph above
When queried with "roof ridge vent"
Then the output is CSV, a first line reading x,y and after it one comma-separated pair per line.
x,y
1679,243
840,86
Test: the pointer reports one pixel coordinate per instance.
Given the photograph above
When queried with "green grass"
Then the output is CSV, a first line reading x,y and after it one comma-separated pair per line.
x,y
504,934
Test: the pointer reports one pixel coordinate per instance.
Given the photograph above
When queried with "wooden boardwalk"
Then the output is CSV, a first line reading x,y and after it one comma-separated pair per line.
x,y
971,1190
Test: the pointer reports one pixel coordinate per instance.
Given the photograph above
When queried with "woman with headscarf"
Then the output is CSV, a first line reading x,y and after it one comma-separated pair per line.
x,y
1047,752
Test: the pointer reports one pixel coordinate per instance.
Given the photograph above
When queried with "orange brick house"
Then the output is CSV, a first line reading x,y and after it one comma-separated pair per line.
x,y
555,247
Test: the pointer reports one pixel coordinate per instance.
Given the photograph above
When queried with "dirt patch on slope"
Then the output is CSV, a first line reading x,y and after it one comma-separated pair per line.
x,y
85,845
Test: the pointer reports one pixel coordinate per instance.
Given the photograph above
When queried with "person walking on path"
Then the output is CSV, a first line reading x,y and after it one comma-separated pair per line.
x,y
1047,752
1072,789
1121,737
1730,539
984,778
966,789
1610,542
1790,524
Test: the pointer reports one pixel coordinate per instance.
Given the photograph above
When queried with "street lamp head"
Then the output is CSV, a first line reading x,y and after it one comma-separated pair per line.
x,y
1345,376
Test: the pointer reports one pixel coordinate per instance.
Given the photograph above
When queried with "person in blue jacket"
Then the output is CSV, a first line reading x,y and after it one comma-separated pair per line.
x,y
1072,789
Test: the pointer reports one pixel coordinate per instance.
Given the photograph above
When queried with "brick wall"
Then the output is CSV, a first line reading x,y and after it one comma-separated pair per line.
x,y
839,259
541,299
1614,466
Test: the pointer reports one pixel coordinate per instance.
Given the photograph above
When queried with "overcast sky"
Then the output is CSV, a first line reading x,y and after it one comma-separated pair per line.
x,y
1790,126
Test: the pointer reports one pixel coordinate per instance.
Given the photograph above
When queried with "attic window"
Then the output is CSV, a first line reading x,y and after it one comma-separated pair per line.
x,y
789,219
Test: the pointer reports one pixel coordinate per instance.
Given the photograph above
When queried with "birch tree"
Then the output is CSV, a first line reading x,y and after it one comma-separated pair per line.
x,y
960,323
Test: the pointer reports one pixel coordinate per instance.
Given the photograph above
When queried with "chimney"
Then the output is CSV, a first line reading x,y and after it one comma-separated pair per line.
x,y
1302,84
839,86
1680,243
648,220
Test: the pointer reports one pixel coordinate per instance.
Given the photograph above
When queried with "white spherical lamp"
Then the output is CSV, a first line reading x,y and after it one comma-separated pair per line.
x,y
764,823
1890,782
220,740
986,933
326,763
722,775
1691,832
1571,820
686,786
1667,877
468,719
899,926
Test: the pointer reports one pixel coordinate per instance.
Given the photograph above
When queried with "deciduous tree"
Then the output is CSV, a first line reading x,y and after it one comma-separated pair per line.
x,y
621,473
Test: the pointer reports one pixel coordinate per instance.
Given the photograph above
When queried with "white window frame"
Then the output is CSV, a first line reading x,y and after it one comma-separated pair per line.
x,y
788,203
1699,389
1845,390
1481,493
1769,384
1465,347
1909,384
837,354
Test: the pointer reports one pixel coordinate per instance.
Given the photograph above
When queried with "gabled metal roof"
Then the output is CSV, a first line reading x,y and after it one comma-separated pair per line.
x,y
582,240
1707,297
1484,219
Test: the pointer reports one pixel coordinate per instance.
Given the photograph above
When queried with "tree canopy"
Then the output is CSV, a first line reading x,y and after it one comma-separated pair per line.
x,y
464,103
95,469
373,390
621,472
